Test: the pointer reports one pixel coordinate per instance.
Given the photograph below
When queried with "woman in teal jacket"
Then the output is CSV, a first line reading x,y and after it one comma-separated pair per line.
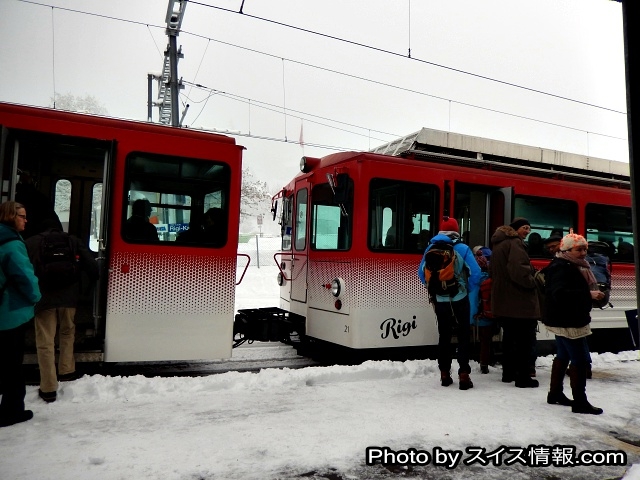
x,y
20,293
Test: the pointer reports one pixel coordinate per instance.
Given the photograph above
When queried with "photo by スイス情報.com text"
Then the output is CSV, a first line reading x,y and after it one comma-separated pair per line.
x,y
532,456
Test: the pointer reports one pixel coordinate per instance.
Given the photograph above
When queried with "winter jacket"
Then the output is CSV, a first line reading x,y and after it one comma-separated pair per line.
x,y
567,298
16,272
65,296
475,305
467,284
513,289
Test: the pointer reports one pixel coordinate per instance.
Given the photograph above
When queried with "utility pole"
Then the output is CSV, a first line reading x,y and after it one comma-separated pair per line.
x,y
168,82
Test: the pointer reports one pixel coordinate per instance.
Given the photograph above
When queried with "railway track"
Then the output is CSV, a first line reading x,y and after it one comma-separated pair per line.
x,y
250,357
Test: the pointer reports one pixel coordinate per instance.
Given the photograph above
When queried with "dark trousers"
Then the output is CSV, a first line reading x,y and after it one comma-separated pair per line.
x,y
518,339
11,376
574,350
485,332
453,317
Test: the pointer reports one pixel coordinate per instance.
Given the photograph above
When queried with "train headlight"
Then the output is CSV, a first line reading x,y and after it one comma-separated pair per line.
x,y
336,287
280,278
308,163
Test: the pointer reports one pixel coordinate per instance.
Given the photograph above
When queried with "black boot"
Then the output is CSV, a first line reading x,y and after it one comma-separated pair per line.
x,y
16,418
526,382
465,381
578,376
445,378
556,395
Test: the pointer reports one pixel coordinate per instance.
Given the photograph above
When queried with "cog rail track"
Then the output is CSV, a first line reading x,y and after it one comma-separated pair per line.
x,y
251,357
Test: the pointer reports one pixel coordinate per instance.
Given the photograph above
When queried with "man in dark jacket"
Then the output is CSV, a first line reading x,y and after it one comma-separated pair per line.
x,y
58,305
137,227
514,300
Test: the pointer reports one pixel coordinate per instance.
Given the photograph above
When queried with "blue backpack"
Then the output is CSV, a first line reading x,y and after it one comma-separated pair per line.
x,y
601,269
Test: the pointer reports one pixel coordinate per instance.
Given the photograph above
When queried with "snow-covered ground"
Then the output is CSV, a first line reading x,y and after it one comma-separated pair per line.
x,y
317,423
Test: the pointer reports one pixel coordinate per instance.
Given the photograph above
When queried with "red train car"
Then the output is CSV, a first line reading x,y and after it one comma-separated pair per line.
x,y
354,227
164,298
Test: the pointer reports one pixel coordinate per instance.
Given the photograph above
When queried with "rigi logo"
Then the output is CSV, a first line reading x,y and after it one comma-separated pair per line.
x,y
397,327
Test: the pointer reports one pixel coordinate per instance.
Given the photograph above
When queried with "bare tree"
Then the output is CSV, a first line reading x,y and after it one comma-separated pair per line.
x,y
73,103
255,196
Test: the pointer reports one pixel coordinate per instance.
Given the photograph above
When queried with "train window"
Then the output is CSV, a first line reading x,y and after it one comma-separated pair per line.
x,y
287,211
401,215
611,225
301,219
330,220
62,204
547,216
96,216
173,199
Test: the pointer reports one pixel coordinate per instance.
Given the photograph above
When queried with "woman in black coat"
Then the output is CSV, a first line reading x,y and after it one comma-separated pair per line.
x,y
569,291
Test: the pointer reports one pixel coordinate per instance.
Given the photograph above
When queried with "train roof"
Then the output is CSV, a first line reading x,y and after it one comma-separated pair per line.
x,y
108,121
477,150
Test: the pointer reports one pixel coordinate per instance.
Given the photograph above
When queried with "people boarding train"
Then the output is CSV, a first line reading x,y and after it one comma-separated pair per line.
x,y
59,260
453,312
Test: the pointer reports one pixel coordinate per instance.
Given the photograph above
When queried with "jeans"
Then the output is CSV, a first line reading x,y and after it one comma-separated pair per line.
x,y
574,350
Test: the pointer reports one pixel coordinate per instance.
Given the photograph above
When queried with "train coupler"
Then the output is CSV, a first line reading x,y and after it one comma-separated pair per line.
x,y
270,324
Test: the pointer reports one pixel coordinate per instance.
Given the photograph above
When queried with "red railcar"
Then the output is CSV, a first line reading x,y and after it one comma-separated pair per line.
x,y
354,227
164,298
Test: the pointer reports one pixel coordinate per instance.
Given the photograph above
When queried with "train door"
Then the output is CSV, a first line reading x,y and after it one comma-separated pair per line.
x,y
300,244
285,258
59,178
173,243
480,210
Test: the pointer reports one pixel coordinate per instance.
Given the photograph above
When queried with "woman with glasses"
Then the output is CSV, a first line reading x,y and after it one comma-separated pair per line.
x,y
570,288
19,294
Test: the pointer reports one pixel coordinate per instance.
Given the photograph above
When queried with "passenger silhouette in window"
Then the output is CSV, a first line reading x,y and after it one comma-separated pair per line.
x,y
625,250
536,246
213,230
137,226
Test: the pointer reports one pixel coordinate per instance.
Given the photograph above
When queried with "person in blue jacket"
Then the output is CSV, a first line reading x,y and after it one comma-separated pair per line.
x,y
19,294
454,313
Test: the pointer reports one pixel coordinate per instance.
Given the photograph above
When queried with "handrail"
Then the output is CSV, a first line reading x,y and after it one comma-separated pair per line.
x,y
284,275
245,267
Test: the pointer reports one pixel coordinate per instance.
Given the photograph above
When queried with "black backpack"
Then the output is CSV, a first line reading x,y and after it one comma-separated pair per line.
x,y
439,270
59,263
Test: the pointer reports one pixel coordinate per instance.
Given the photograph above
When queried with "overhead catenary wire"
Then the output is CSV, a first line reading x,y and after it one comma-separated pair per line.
x,y
148,25
301,115
389,52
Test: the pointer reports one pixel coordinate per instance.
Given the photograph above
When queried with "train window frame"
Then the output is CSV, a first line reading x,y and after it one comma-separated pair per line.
x,y
286,222
540,217
97,192
301,214
62,201
624,251
182,190
330,211
423,216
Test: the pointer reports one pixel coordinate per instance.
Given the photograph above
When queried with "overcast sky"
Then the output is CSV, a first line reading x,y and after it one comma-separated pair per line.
x,y
353,86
